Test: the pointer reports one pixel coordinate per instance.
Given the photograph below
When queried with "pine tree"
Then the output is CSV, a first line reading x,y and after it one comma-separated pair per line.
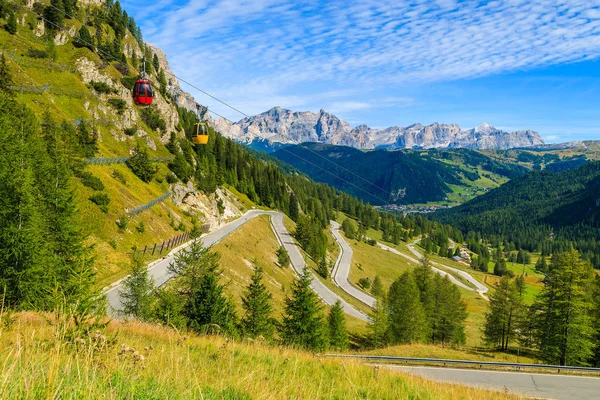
x,y
541,265
565,328
448,313
500,268
155,62
54,16
406,314
303,321
141,165
338,336
256,303
501,320
377,287
11,25
136,295
424,279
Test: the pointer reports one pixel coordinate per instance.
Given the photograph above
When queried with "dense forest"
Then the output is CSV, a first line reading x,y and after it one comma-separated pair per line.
x,y
541,212
392,177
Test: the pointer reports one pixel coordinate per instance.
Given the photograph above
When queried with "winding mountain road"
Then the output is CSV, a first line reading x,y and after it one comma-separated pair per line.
x,y
341,269
159,270
479,287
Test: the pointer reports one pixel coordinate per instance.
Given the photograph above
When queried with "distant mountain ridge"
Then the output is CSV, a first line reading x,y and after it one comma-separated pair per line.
x,y
279,126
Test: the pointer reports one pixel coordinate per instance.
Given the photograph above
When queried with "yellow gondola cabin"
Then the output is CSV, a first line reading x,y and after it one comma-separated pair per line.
x,y
201,136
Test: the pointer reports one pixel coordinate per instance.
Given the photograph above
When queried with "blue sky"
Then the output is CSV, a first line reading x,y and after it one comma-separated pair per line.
x,y
515,64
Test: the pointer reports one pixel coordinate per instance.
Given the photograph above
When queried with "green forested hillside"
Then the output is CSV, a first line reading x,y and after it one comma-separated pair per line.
x,y
542,211
401,177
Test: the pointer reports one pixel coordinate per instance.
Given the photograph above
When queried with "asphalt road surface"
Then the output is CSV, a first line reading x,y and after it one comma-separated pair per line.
x,y
480,287
341,270
544,386
159,270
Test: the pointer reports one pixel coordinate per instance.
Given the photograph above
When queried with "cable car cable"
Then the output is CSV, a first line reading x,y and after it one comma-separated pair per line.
x,y
237,110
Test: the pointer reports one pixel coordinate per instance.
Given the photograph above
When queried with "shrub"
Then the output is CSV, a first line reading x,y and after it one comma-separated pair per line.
x,y
89,180
113,243
129,81
102,200
141,228
130,131
364,283
119,176
35,53
171,178
119,104
123,222
371,242
102,87
151,116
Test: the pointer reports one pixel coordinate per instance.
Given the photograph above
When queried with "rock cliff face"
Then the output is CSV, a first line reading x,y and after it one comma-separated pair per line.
x,y
279,126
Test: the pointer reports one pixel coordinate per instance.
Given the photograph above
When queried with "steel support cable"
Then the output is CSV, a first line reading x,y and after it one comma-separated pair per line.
x,y
242,113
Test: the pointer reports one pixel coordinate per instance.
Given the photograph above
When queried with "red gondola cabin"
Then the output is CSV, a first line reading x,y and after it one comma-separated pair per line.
x,y
142,93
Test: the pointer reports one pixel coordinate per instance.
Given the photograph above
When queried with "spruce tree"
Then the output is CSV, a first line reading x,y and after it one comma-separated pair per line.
x,y
11,25
565,329
303,322
136,295
379,328
141,165
338,336
54,16
323,269
448,313
377,287
207,309
501,320
424,276
294,211
256,303
406,314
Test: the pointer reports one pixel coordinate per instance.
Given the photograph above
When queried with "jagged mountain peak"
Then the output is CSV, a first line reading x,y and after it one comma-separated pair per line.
x,y
282,126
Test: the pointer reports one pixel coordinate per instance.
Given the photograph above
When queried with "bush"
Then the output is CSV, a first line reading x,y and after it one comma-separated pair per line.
x,y
130,131
119,176
89,180
102,200
35,53
119,104
141,228
151,116
129,81
123,222
171,178
102,87
371,242
364,283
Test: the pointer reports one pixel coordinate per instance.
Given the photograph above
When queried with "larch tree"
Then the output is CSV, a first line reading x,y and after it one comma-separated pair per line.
x,y
136,295
501,320
407,318
565,328
379,335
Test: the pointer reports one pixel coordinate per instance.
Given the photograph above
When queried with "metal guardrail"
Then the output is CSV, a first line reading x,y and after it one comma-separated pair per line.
x,y
518,366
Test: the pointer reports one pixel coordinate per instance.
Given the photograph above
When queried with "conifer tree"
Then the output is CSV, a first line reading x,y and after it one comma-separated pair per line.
x,y
208,310
256,303
136,295
283,258
501,320
141,165
84,39
323,269
565,329
407,316
423,275
54,16
338,336
303,322
11,25
379,328
377,287
294,211
448,313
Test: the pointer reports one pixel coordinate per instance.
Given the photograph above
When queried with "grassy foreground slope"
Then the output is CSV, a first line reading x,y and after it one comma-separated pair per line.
x,y
42,364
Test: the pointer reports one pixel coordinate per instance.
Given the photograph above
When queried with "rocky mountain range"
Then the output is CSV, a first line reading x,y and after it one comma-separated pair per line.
x,y
278,127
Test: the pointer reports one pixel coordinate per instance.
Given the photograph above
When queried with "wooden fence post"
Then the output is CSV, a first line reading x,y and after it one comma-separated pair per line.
x,y
154,249
161,247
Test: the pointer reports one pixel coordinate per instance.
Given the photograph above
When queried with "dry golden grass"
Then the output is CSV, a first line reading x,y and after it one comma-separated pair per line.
x,y
166,364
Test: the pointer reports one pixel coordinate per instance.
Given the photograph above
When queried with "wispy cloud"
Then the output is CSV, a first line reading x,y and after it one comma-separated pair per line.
x,y
265,51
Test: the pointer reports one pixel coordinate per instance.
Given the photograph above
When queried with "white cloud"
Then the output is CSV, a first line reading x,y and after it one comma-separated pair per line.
x,y
255,53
